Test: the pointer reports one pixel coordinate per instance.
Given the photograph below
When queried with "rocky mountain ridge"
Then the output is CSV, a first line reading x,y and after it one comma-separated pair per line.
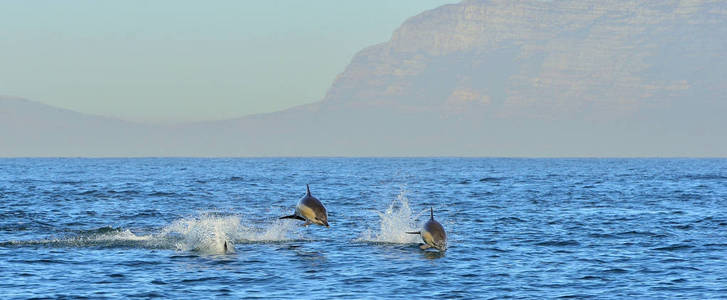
x,y
545,58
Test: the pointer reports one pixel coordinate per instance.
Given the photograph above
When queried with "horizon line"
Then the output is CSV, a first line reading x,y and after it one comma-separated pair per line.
x,y
364,157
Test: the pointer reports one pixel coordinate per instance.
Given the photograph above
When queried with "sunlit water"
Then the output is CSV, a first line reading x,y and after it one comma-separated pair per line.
x,y
522,228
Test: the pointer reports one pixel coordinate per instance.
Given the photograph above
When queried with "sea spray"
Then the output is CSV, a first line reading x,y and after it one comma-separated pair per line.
x,y
394,222
274,232
208,233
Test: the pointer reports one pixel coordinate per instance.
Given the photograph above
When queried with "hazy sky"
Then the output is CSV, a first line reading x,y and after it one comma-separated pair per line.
x,y
178,60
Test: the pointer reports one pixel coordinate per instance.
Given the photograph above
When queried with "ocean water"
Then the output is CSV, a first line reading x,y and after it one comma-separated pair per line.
x,y
517,228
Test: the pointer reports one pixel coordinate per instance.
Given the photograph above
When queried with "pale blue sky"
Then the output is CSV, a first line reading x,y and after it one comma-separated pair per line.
x,y
171,60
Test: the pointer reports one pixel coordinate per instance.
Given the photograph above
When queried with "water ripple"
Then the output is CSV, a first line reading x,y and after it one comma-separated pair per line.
x,y
518,228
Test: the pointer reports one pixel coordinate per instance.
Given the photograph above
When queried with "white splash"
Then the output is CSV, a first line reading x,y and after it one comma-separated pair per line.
x,y
394,223
209,233
275,232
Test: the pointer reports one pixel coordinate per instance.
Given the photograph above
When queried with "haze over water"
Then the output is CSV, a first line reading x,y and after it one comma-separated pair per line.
x,y
522,228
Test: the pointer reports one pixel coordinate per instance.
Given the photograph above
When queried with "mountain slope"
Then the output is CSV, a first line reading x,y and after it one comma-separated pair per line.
x,y
546,58
30,128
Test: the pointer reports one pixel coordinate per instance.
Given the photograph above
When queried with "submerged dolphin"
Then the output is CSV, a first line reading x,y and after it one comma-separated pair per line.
x,y
432,234
310,210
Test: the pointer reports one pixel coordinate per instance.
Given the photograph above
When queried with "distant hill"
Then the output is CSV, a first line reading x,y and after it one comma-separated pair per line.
x,y
30,128
480,78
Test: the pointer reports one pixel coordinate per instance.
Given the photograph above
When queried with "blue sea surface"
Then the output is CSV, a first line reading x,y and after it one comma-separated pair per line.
x,y
517,228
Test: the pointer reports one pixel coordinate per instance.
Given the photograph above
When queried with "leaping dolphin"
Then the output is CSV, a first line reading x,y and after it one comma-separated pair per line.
x,y
432,234
310,210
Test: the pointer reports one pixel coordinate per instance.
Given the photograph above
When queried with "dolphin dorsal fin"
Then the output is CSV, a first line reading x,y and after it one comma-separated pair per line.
x,y
307,190
431,213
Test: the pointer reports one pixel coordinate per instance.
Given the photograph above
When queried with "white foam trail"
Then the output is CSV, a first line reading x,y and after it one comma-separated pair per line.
x,y
394,223
121,238
206,233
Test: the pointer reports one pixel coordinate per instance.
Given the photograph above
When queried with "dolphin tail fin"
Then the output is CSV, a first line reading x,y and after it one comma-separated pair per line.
x,y
292,217
414,232
307,190
431,213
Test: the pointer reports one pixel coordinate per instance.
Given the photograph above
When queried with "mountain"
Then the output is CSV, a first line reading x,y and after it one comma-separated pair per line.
x,y
477,78
545,58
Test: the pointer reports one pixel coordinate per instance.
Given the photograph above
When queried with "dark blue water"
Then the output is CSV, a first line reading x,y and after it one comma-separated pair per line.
x,y
518,228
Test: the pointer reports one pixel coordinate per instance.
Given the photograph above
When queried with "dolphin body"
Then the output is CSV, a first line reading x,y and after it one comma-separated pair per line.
x,y
310,210
432,234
